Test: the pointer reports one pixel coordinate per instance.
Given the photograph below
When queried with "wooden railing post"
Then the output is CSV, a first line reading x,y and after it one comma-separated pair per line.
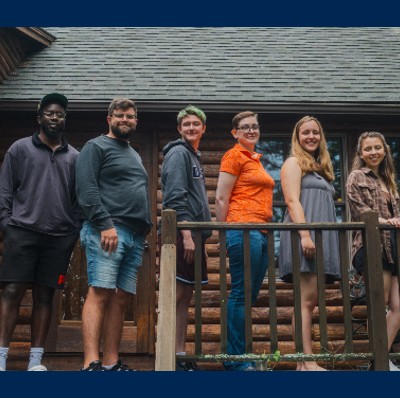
x,y
375,296
298,331
166,324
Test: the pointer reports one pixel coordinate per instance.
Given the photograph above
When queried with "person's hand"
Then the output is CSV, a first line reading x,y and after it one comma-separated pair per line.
x,y
394,221
308,247
109,240
188,246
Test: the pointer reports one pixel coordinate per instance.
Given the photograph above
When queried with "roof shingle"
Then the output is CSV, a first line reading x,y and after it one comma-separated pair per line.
x,y
214,64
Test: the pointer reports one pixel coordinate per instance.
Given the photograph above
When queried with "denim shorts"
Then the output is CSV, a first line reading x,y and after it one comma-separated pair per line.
x,y
119,269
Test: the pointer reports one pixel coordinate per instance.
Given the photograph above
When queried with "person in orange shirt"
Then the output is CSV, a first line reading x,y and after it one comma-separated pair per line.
x,y
244,194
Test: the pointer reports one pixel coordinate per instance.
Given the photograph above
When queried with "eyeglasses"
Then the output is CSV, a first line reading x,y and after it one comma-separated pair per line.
x,y
122,115
246,127
50,115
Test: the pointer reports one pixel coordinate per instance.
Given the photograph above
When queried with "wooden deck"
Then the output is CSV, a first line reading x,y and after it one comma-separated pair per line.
x,y
69,355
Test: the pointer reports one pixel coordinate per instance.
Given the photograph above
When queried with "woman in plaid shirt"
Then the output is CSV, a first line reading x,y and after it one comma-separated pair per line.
x,y
372,186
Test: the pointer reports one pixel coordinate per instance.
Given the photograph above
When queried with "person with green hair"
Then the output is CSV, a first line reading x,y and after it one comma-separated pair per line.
x,y
184,190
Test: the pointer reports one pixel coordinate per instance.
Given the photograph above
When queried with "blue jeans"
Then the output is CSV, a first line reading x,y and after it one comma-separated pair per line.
x,y
236,310
118,269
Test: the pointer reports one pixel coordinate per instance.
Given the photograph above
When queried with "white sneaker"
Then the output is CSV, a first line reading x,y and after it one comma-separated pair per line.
x,y
393,367
2,369
41,368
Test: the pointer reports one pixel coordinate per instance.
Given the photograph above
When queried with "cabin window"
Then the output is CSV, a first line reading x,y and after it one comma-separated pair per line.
x,y
276,150
394,145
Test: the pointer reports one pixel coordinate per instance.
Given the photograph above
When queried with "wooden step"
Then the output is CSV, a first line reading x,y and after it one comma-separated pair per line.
x,y
211,298
212,333
260,315
287,347
72,361
215,284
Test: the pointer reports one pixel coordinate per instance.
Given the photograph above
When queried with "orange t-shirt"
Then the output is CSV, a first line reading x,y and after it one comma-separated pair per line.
x,y
251,197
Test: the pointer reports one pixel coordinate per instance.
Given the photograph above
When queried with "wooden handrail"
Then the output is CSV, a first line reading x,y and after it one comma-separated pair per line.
x,y
165,352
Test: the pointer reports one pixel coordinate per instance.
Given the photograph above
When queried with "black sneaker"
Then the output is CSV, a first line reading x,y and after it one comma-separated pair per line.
x,y
187,366
120,367
94,366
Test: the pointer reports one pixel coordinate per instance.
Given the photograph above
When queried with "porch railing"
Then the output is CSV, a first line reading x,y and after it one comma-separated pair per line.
x,y
377,352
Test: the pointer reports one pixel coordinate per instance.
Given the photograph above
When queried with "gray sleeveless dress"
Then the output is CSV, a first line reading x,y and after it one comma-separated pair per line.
x,y
316,197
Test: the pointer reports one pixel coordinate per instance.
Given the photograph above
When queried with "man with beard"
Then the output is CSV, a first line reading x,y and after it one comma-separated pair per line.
x,y
112,189
40,220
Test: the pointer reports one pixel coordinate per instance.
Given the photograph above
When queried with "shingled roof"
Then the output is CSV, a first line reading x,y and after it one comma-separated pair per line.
x,y
215,65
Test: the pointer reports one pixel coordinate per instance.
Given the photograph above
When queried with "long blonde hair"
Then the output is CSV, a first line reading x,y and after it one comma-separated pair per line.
x,y
386,168
320,163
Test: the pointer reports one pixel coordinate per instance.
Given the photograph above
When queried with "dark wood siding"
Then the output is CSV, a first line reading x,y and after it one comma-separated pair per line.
x,y
158,129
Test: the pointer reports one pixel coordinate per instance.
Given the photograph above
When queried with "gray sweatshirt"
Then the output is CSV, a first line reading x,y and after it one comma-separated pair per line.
x,y
183,183
37,188
112,185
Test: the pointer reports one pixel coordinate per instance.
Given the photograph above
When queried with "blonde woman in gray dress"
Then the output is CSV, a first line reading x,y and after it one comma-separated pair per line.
x,y
306,178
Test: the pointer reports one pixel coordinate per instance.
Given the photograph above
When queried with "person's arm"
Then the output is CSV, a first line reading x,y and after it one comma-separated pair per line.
x,y
291,175
7,187
88,167
175,185
226,182
395,221
392,221
76,208
357,199
175,191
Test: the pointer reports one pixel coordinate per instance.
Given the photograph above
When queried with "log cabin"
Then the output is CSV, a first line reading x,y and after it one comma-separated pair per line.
x,y
347,77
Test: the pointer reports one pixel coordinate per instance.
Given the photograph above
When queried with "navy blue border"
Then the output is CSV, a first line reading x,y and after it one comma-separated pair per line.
x,y
200,13
198,384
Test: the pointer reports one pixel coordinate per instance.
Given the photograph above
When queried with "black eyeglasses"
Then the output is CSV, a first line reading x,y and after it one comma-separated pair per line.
x,y
50,115
246,127
122,115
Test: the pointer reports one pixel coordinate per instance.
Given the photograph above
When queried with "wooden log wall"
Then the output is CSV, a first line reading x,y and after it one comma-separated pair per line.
x,y
82,126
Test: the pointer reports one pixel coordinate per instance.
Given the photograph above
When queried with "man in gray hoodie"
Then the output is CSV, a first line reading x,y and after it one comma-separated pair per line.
x,y
183,189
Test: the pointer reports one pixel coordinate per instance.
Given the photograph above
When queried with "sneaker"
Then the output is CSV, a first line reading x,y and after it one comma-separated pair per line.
x,y
94,366
120,367
38,368
187,366
2,369
393,367
249,368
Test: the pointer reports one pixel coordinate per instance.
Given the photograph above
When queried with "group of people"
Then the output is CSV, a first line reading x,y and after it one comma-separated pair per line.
x,y
245,194
50,194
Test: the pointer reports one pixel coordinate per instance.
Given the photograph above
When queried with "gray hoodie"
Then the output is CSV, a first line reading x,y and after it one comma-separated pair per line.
x,y
183,183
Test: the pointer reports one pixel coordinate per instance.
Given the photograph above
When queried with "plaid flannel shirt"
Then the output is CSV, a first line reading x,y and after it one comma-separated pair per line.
x,y
364,193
